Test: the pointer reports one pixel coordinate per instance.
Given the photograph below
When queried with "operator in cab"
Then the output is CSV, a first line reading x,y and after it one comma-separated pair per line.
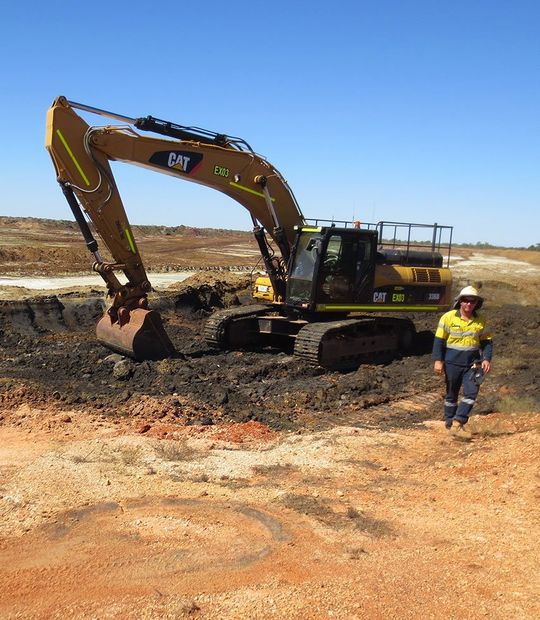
x,y
462,351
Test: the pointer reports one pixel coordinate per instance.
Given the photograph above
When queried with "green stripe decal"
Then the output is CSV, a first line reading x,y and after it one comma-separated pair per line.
x,y
130,240
248,189
376,308
73,158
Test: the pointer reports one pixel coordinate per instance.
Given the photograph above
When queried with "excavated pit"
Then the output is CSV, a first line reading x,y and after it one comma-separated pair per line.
x,y
49,353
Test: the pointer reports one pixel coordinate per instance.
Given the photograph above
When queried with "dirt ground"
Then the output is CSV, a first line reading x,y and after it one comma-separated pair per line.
x,y
247,485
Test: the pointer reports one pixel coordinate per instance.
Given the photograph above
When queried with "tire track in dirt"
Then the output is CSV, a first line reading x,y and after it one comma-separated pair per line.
x,y
104,552
415,404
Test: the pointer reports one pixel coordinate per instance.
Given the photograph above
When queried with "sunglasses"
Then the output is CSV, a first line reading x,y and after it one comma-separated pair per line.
x,y
468,300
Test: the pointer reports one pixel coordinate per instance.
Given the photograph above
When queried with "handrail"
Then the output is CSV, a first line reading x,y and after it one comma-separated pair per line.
x,y
401,235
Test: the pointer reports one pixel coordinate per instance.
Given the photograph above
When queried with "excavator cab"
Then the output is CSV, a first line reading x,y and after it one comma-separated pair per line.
x,y
331,265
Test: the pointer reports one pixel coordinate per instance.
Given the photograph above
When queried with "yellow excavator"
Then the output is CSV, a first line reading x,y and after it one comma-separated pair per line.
x,y
329,290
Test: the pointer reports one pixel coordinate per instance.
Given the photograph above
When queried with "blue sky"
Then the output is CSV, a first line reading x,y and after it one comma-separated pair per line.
x,y
420,111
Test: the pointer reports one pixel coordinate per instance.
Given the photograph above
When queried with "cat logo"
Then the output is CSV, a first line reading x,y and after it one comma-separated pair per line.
x,y
178,161
379,298
186,162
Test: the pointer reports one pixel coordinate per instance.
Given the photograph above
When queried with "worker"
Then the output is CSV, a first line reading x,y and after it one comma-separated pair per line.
x,y
462,351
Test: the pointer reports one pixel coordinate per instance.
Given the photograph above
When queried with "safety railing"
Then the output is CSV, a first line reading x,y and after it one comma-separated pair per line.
x,y
402,236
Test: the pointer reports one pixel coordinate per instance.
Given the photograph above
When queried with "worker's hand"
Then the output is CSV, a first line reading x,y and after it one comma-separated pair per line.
x,y
486,366
438,367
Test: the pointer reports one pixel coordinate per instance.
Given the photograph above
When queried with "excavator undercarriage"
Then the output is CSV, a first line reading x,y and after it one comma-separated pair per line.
x,y
338,344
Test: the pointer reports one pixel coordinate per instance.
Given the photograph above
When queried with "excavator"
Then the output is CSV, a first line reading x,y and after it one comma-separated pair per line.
x,y
330,291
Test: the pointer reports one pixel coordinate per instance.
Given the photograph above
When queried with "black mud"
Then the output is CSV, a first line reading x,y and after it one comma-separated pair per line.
x,y
48,353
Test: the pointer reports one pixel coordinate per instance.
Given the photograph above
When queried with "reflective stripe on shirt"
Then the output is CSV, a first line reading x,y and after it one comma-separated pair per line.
x,y
461,347
461,341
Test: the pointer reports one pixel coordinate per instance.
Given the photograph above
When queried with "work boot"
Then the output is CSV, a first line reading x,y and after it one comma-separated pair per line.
x,y
459,431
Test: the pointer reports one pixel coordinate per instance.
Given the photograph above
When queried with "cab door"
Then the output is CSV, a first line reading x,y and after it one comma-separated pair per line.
x,y
347,267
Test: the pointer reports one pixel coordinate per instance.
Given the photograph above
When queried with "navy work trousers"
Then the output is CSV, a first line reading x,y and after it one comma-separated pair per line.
x,y
456,377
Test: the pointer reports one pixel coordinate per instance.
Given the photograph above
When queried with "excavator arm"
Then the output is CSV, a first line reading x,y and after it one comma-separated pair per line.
x,y
82,154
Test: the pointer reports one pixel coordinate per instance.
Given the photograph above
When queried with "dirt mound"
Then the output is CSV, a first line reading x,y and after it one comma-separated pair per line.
x,y
54,247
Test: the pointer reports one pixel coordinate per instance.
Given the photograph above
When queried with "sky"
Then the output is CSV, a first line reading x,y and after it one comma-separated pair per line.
x,y
411,111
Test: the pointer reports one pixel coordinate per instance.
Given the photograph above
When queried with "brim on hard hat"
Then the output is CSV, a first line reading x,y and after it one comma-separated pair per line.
x,y
460,297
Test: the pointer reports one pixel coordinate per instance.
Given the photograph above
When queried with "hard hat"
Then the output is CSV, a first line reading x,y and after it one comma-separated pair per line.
x,y
469,291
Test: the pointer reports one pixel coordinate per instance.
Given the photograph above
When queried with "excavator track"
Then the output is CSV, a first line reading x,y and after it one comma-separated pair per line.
x,y
217,330
345,344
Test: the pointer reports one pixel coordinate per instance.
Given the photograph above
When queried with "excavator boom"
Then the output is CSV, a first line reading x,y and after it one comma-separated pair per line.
x,y
82,154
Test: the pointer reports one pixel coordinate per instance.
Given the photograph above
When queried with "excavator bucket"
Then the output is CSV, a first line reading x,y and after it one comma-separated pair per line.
x,y
140,336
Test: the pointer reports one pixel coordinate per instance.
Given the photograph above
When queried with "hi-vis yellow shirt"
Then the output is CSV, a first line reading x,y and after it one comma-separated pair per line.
x,y
459,341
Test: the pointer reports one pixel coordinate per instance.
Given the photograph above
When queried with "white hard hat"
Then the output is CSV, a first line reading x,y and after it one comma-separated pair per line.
x,y
469,291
